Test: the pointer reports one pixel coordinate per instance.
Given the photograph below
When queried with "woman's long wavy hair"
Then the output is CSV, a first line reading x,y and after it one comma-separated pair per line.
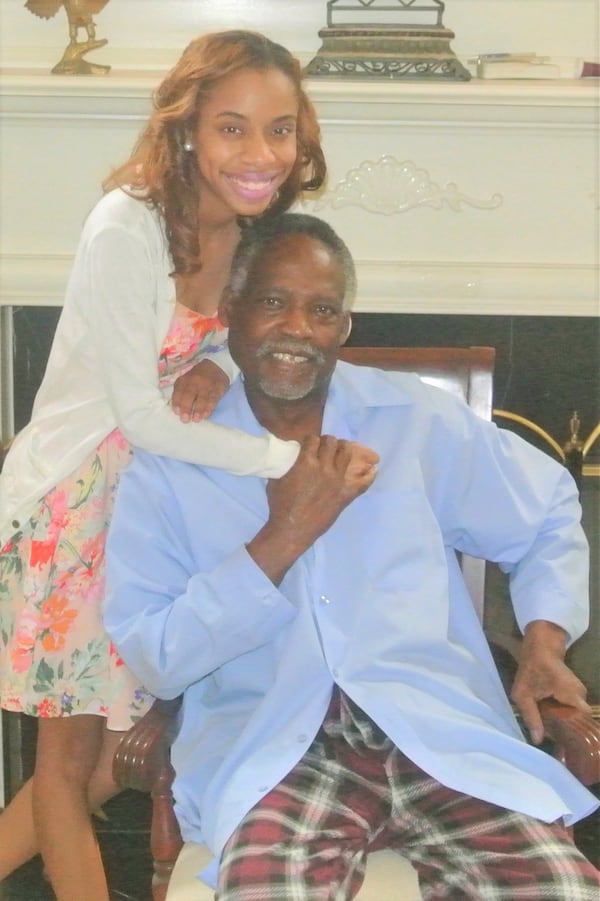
x,y
159,170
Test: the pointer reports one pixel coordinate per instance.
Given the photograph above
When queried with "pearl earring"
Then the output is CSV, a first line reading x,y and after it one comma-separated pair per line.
x,y
188,146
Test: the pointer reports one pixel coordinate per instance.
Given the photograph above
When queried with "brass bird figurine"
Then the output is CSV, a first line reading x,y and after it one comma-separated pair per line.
x,y
79,15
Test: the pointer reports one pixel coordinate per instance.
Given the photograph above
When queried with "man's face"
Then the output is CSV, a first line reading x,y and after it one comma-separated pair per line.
x,y
285,331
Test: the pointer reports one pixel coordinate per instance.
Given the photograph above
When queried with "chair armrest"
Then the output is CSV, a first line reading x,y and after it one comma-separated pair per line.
x,y
142,757
576,738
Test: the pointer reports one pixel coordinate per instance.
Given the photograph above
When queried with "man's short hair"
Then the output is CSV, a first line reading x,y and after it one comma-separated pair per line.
x,y
259,235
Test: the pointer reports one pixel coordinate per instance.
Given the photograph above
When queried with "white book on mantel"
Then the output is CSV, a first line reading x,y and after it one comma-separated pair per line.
x,y
540,67
508,69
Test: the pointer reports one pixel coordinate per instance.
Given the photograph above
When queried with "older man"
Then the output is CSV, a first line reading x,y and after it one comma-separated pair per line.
x,y
339,694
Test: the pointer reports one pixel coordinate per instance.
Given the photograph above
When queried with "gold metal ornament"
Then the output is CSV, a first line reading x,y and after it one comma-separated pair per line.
x,y
79,15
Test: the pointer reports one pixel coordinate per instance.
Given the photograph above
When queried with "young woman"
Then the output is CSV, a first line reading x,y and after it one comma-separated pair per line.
x,y
232,136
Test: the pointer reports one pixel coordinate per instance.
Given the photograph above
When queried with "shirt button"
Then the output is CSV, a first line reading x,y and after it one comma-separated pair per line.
x,y
324,599
335,673
263,788
15,523
302,737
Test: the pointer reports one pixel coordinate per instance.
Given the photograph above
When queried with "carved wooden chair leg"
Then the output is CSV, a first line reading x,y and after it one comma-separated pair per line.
x,y
165,837
142,763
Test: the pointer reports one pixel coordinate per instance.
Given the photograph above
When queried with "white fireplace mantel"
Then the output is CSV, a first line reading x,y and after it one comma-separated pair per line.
x,y
469,198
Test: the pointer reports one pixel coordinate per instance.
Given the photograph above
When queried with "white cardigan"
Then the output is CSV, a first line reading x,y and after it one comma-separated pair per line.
x,y
102,372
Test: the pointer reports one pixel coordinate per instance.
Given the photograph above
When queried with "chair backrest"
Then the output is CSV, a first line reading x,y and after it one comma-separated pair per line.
x,y
467,372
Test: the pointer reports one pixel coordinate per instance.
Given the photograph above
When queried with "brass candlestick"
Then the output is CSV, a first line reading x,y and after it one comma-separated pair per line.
x,y
573,449
79,15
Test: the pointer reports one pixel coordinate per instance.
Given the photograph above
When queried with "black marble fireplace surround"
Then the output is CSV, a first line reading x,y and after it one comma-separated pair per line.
x,y
546,366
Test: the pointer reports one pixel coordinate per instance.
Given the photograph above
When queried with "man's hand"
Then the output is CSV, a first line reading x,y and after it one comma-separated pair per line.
x,y
198,391
327,476
542,673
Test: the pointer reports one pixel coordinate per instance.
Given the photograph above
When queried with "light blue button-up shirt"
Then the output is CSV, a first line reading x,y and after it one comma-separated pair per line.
x,y
377,605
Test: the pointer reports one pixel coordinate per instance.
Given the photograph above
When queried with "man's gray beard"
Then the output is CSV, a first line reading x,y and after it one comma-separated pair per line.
x,y
285,390
282,390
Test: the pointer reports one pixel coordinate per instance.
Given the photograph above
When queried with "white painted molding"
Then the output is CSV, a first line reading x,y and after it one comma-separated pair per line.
x,y
34,279
510,289
31,92
384,287
504,219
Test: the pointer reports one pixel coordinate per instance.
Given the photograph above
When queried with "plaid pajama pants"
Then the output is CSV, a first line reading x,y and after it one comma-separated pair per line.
x,y
355,792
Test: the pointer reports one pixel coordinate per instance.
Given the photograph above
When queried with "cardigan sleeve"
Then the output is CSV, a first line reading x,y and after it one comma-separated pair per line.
x,y
224,361
117,270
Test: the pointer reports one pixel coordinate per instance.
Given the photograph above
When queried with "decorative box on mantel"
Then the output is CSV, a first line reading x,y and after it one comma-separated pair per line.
x,y
383,39
475,197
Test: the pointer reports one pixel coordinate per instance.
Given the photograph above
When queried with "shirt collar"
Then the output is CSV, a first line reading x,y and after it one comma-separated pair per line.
x,y
353,390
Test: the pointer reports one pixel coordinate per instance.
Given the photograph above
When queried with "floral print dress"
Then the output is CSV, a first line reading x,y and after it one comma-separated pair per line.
x,y
55,657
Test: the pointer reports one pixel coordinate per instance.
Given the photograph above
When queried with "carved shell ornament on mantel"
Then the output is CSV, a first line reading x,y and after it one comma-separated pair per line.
x,y
389,186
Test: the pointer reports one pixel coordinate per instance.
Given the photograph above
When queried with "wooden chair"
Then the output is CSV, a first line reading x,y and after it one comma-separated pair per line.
x,y
142,759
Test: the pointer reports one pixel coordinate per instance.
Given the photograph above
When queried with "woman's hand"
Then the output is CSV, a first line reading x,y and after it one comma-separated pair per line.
x,y
198,391
363,462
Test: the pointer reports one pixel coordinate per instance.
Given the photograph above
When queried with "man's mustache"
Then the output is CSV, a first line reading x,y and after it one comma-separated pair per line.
x,y
295,348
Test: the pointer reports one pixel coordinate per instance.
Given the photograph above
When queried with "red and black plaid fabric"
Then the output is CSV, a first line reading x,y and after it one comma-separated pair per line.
x,y
353,792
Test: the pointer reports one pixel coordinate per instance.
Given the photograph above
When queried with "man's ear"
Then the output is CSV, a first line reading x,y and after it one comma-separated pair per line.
x,y
346,332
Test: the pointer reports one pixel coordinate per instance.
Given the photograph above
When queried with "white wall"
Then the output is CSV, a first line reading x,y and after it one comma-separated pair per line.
x,y
152,32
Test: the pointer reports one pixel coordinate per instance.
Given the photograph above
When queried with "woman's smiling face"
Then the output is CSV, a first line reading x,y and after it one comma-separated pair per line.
x,y
245,142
